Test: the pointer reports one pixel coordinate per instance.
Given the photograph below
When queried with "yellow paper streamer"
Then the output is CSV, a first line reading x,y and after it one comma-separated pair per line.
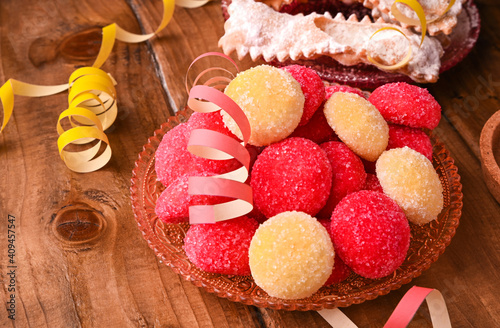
x,y
401,63
422,22
92,97
92,109
417,8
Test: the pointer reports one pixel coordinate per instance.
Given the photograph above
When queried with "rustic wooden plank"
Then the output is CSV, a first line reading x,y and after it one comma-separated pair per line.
x,y
62,283
191,33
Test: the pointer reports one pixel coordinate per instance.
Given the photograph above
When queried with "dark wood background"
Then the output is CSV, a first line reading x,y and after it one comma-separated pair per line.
x,y
82,261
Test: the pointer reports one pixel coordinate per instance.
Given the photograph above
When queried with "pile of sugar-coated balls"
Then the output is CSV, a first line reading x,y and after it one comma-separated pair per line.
x,y
336,179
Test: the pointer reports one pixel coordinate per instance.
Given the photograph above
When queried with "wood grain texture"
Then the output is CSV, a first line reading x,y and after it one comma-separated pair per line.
x,y
82,262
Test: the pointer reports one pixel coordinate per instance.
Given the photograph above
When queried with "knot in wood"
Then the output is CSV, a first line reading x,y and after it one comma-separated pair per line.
x,y
78,224
83,45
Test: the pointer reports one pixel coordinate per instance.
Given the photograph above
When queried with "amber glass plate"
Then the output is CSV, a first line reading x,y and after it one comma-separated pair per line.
x,y
427,241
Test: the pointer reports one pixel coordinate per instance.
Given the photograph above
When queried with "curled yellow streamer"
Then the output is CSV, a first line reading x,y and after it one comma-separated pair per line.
x,y
401,63
92,109
422,22
92,97
417,8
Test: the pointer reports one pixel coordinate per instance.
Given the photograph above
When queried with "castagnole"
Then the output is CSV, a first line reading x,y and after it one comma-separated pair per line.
x,y
358,124
409,178
370,233
272,100
291,255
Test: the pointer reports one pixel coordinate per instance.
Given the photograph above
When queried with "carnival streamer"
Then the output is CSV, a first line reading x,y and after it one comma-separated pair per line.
x,y
401,63
92,97
410,303
404,311
215,145
92,109
400,17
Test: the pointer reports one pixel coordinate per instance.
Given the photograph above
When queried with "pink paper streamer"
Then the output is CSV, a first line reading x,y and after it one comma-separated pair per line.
x,y
215,145
404,311
204,141
221,101
412,300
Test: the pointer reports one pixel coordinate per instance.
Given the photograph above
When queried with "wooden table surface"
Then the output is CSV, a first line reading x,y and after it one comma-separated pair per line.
x,y
91,267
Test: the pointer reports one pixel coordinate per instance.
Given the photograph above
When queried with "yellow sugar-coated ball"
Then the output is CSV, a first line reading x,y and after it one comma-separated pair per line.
x,y
271,99
409,178
358,124
291,255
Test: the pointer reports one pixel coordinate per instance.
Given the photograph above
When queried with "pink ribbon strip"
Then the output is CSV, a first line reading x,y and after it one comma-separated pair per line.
x,y
404,311
412,300
217,100
208,54
217,146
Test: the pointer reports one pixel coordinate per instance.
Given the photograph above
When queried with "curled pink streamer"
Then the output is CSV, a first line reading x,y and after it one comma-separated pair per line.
x,y
215,145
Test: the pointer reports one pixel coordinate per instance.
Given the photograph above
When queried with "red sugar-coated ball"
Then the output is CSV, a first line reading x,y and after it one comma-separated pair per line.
x,y
340,270
317,129
406,104
370,233
174,160
172,157
330,90
312,87
416,139
372,183
348,174
293,174
211,121
173,204
221,247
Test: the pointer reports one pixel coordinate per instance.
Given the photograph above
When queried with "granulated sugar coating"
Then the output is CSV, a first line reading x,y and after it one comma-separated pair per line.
x,y
174,160
291,255
330,90
358,124
221,247
172,157
406,104
340,270
372,183
370,233
291,175
409,178
312,86
317,129
272,101
416,139
348,174
211,121
173,204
